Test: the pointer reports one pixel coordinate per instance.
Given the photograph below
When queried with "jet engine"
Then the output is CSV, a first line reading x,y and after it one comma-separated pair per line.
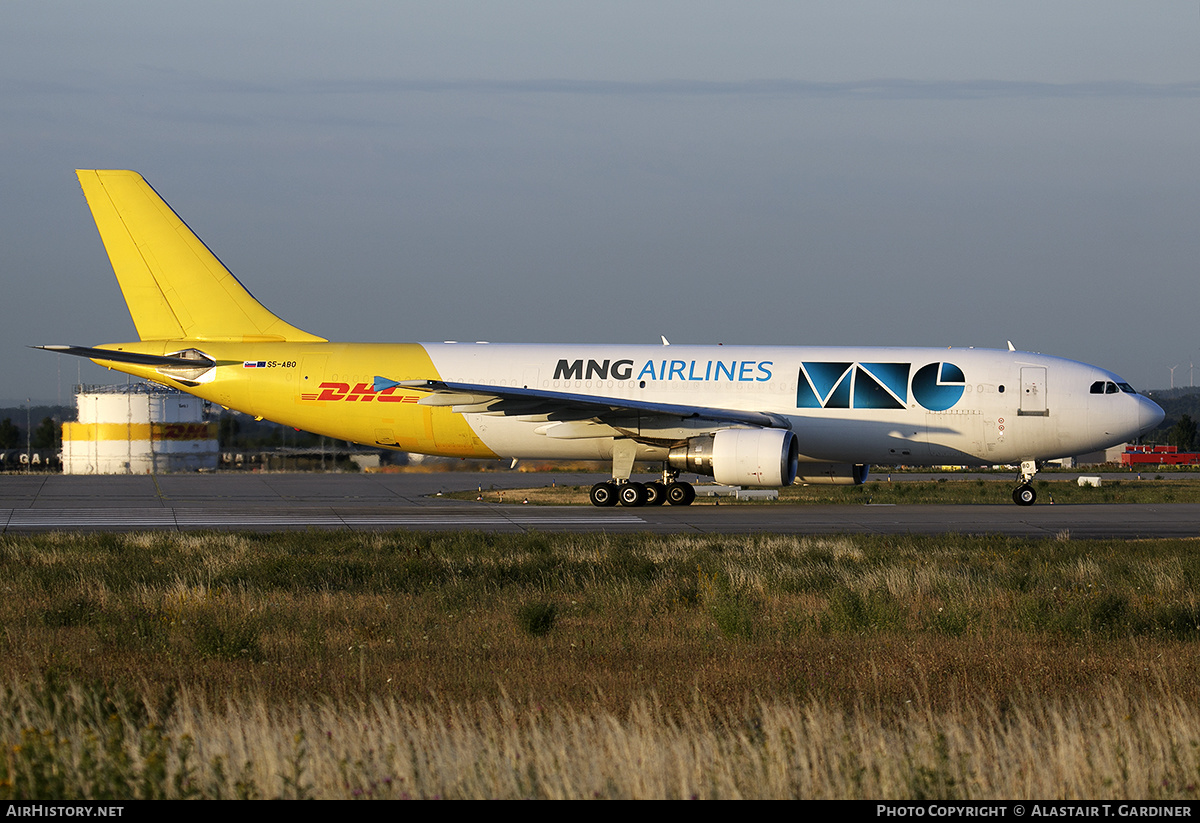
x,y
741,457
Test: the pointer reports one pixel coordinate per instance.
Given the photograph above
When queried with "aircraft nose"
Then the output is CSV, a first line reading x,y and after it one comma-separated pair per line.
x,y
1150,414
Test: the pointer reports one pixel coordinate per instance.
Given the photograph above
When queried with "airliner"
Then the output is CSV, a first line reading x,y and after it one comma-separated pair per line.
x,y
758,416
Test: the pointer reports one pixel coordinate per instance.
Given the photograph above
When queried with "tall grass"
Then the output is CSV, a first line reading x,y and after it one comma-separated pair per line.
x,y
462,665
70,743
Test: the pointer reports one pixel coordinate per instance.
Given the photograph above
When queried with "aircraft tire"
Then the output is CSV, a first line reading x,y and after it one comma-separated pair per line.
x,y
632,494
680,494
1024,495
656,493
603,494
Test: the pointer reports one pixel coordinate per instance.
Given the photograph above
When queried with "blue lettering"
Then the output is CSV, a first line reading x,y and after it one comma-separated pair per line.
x,y
764,367
746,366
647,369
728,371
676,368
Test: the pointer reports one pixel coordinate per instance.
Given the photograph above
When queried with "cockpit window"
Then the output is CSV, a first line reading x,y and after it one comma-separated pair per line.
x,y
1128,389
1109,387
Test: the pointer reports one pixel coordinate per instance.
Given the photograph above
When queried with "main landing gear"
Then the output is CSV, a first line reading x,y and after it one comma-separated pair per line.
x,y
631,493
1023,494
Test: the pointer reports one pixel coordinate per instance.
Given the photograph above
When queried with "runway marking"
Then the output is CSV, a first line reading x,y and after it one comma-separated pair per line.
x,y
181,519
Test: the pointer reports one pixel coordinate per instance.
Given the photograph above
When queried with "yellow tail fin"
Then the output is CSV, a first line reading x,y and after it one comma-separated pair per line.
x,y
176,289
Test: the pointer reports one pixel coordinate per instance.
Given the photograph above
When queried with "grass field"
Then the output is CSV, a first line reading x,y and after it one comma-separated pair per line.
x,y
325,664
949,490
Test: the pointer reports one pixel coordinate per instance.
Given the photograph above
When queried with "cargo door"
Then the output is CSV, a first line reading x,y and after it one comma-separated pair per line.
x,y
1033,392
309,376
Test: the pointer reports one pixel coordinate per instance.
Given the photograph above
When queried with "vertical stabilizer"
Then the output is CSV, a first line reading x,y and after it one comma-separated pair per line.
x,y
174,286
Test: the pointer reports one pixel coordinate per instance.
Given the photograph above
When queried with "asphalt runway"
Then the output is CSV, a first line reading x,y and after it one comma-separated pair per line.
x,y
273,501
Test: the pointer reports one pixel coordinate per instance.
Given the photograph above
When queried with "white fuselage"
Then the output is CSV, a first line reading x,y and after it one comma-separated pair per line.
x,y
846,405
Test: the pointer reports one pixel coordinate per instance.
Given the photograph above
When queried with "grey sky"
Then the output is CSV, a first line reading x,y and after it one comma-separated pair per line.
x,y
917,173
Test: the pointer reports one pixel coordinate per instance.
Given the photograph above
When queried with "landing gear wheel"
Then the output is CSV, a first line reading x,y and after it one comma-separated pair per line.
x,y
656,493
1024,495
680,494
632,494
603,494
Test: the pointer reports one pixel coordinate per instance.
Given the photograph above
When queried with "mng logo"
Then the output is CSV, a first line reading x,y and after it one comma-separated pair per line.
x,y
846,385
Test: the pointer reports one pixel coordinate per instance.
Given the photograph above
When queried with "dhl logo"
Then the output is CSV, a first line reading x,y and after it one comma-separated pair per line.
x,y
364,392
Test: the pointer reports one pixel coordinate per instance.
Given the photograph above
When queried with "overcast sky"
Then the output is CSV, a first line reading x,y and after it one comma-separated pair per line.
x,y
857,173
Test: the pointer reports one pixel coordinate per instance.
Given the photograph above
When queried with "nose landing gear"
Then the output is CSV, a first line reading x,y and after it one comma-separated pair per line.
x,y
1023,494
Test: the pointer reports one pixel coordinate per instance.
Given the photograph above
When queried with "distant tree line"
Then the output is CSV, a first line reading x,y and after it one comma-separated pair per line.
x,y
1183,434
240,431
1178,428
47,435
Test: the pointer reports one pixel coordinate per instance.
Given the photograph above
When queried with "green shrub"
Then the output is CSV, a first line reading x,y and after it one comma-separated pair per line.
x,y
236,641
538,618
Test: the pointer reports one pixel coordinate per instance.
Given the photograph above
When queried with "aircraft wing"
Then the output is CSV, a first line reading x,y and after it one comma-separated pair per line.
x,y
565,407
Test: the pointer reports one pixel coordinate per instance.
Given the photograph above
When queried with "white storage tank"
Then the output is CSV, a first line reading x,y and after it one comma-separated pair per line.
x,y
138,429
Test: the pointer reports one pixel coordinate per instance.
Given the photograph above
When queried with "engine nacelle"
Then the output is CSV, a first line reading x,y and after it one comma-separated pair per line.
x,y
833,474
741,457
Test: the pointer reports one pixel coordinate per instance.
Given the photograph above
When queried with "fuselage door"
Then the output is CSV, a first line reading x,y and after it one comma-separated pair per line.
x,y
1033,391
310,374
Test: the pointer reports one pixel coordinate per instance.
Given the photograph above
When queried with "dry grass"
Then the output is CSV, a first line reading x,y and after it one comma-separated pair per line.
x,y
469,665
1109,747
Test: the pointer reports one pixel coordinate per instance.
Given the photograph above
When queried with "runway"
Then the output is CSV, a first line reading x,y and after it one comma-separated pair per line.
x,y
372,502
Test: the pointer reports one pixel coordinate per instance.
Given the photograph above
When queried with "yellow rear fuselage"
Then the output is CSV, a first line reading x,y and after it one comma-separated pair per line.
x,y
325,388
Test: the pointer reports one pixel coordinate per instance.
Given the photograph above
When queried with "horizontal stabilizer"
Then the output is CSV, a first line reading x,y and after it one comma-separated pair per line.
x,y
156,360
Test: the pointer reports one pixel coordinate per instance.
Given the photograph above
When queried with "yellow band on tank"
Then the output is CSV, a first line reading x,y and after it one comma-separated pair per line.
x,y
139,431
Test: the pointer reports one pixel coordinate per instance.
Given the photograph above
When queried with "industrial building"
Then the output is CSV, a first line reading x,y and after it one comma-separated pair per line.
x,y
138,428
1158,456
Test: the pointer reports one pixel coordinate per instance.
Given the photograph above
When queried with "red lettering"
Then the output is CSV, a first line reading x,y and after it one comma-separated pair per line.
x,y
183,431
333,391
363,391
